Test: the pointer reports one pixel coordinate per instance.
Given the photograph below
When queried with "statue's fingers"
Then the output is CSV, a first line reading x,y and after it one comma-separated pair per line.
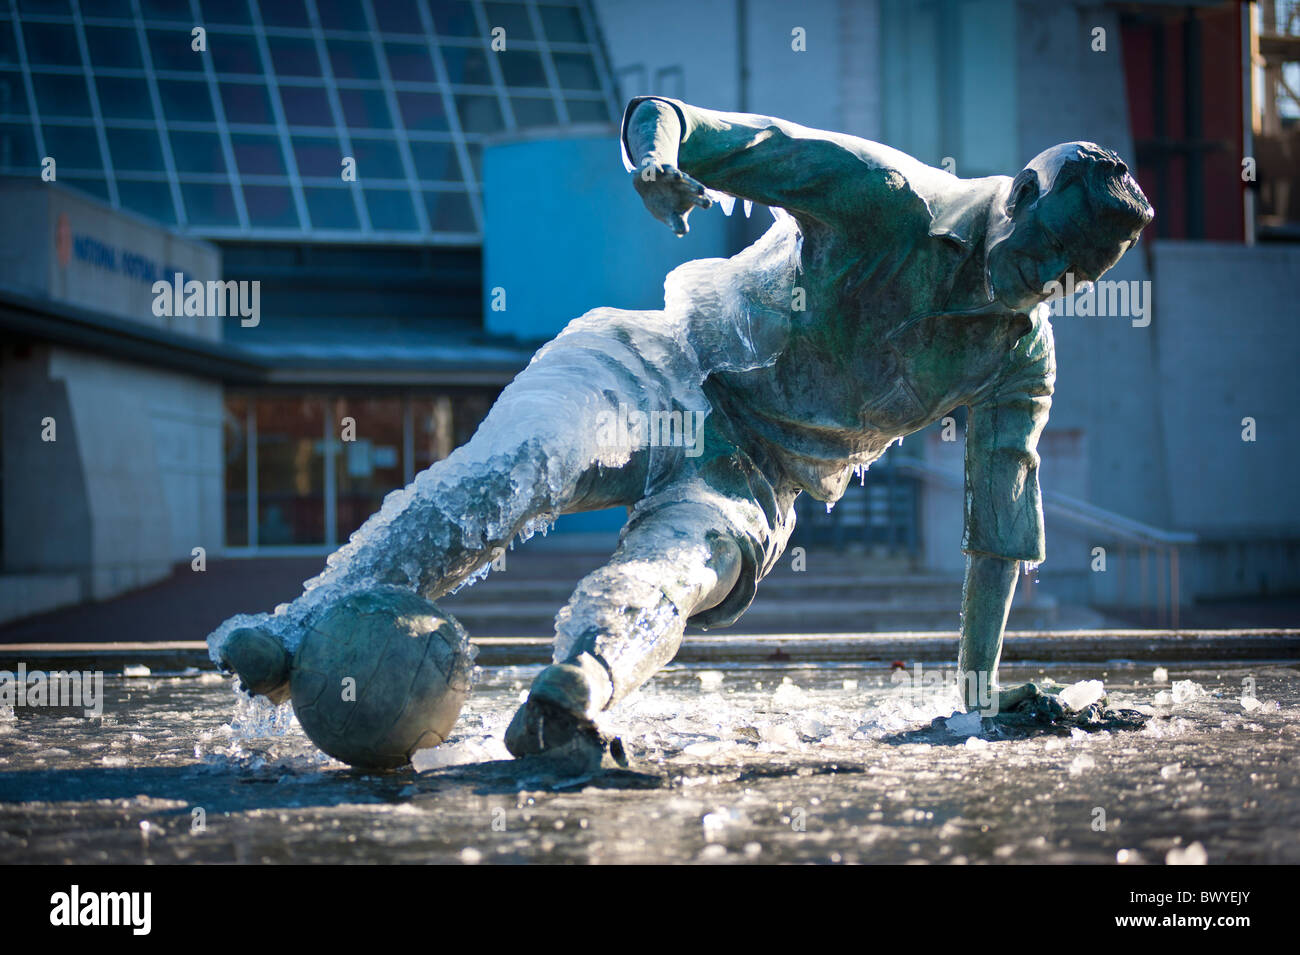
x,y
701,200
677,222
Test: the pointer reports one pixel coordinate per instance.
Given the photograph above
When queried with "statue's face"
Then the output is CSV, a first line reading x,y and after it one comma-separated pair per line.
x,y
1048,239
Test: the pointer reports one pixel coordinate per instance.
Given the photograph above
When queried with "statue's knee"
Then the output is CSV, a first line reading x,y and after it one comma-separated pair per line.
x,y
726,563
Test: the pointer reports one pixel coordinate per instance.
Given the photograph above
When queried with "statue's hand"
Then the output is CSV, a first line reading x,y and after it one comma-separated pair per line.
x,y
1009,697
669,193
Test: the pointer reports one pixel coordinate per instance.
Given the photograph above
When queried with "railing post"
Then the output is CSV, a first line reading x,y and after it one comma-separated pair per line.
x,y
1173,587
1162,617
1142,598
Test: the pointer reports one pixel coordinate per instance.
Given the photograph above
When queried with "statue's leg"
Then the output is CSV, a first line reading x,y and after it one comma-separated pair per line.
x,y
537,454
625,621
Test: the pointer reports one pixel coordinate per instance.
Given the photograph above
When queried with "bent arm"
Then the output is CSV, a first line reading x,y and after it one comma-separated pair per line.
x,y
808,171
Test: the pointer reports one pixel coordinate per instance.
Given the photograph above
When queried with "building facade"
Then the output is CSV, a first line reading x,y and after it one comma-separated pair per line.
x,y
422,191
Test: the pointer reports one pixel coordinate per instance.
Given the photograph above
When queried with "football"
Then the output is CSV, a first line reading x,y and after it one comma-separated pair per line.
x,y
381,674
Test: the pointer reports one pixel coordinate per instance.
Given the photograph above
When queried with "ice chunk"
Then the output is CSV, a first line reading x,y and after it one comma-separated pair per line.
x,y
813,729
1171,770
788,694
716,823
707,748
1081,764
1250,704
976,742
1160,675
1185,691
1163,698
136,670
470,856
460,753
780,735
709,679
1194,854
964,724
1082,694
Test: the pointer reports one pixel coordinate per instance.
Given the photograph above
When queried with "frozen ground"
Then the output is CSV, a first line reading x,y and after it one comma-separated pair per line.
x,y
765,764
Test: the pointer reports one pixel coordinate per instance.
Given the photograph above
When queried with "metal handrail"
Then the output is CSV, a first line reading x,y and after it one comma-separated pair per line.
x,y
1125,530
1071,508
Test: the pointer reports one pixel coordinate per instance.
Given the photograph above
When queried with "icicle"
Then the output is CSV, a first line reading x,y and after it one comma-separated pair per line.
x,y
727,202
749,207
473,578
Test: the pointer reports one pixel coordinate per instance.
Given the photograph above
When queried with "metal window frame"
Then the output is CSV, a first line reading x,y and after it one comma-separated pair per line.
x,y
242,228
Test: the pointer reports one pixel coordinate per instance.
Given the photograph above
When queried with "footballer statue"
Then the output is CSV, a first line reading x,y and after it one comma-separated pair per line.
x,y
885,294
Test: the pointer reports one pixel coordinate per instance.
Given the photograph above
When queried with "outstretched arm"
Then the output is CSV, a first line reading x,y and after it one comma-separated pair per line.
x,y
822,175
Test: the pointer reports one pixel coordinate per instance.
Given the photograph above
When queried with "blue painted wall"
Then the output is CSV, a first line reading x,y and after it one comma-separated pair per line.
x,y
565,232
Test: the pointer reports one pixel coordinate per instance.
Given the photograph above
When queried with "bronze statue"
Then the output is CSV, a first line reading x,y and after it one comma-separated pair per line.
x,y
886,294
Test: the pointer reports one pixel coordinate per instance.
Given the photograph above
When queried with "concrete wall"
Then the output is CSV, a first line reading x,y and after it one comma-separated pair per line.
x,y
694,50
1228,343
134,479
133,482
76,250
948,70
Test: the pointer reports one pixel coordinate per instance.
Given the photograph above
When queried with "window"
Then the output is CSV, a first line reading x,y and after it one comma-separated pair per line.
x,y
209,204
1183,73
183,101
290,76
197,152
127,97
1275,119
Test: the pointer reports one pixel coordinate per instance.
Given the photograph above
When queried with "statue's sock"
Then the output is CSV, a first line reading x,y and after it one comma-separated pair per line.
x,y
261,662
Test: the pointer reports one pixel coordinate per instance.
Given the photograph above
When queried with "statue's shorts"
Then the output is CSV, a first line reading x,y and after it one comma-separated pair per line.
x,y
718,485
728,492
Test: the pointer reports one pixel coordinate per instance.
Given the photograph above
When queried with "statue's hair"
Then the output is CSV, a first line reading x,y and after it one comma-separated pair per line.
x,y
1114,194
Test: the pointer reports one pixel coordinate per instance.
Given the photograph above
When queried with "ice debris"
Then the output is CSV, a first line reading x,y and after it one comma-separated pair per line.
x,y
964,724
1082,694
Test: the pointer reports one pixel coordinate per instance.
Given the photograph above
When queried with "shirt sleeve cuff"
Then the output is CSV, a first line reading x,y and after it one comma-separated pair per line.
x,y
627,118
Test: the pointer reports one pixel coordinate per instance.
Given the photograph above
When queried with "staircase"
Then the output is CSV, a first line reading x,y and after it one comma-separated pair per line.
x,y
857,595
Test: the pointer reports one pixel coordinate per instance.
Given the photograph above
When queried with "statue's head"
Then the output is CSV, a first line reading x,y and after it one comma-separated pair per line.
x,y
1073,209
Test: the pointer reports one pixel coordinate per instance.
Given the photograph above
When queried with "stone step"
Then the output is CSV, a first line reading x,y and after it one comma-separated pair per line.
x,y
768,616
910,589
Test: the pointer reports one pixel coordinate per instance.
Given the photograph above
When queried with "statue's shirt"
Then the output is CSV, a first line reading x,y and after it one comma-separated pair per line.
x,y
865,317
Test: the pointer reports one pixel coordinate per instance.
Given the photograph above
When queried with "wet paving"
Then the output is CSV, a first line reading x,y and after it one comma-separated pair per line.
x,y
772,763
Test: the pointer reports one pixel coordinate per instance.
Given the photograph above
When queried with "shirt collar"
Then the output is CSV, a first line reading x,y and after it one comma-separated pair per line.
x,y
968,213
